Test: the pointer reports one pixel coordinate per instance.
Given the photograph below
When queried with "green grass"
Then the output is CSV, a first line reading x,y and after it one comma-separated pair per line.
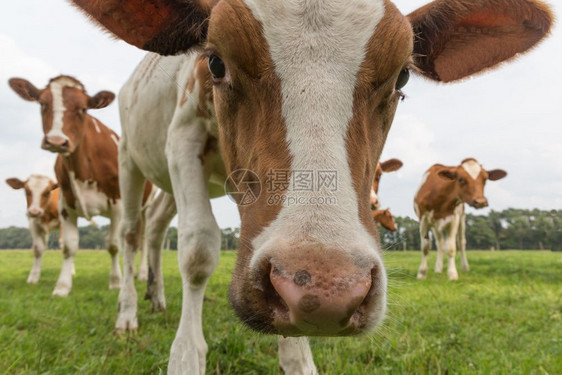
x,y
503,317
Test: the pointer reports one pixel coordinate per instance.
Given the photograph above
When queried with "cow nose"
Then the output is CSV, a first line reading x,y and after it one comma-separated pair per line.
x,y
324,303
480,202
54,142
34,212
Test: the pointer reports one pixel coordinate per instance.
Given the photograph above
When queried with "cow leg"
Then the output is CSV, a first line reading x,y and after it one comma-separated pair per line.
x,y
439,241
425,247
69,247
461,242
39,245
113,246
159,215
451,246
295,356
142,273
131,183
198,242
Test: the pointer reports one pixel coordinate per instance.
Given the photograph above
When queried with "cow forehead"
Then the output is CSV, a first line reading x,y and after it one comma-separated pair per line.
x,y
473,168
38,184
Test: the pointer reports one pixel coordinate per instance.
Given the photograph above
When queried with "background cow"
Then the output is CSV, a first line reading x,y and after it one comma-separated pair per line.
x,y
439,204
42,195
383,217
86,167
286,86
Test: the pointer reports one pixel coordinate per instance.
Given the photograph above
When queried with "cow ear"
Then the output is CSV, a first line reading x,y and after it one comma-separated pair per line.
x,y
496,174
448,174
24,89
457,38
15,183
167,27
391,165
55,186
101,100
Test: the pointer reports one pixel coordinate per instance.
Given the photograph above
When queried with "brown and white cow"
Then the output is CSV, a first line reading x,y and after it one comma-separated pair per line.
x,y
439,204
86,168
285,86
42,195
383,217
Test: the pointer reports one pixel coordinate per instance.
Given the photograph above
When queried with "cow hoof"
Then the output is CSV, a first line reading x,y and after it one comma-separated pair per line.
x,y
61,291
142,275
421,276
466,268
186,358
33,279
126,322
114,283
453,276
158,305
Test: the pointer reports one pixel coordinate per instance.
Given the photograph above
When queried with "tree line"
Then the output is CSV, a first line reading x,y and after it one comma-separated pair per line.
x,y
499,230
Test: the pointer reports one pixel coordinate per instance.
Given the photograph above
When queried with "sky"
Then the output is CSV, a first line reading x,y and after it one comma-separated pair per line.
x,y
509,118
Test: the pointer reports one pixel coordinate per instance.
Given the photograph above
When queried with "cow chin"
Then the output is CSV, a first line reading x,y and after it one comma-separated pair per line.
x,y
302,294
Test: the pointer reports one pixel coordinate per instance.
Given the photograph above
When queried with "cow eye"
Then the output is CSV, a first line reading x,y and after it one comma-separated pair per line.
x,y
403,78
84,110
462,181
217,68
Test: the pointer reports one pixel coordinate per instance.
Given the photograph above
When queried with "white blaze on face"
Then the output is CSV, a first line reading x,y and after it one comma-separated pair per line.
x,y
472,168
57,88
37,185
317,48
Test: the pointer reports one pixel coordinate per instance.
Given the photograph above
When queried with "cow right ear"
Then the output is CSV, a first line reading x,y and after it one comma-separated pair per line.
x,y
15,183
167,27
25,89
449,174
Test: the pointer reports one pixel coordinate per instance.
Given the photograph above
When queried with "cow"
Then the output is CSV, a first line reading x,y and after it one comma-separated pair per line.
x,y
309,88
383,217
439,205
86,167
42,195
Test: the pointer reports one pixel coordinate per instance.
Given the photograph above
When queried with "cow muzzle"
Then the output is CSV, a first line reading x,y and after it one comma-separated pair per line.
x,y
34,212
317,293
479,203
55,144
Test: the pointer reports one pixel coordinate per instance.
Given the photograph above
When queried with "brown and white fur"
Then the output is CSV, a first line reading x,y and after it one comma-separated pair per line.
x,y
439,205
86,167
295,85
42,196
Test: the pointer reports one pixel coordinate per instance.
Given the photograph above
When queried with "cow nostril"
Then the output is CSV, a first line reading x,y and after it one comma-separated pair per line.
x,y
302,278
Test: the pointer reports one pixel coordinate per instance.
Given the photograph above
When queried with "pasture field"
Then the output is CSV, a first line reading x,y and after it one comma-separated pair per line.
x,y
502,317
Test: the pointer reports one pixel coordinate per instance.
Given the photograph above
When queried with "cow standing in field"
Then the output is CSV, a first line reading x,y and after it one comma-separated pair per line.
x,y
286,86
383,217
439,205
42,195
86,166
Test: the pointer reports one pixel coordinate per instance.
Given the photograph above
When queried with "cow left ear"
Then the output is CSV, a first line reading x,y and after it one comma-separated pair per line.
x,y
458,38
101,100
391,165
15,183
55,186
496,174
448,174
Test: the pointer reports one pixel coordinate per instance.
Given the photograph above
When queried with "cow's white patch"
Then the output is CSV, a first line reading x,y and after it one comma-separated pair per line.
x,y
96,125
115,140
57,86
89,200
37,185
472,168
318,48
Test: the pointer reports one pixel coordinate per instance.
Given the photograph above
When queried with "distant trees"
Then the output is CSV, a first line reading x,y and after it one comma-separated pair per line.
x,y
508,229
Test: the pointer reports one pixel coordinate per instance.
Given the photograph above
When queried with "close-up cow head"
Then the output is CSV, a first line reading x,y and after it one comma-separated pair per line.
x,y
37,192
64,105
470,178
313,86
